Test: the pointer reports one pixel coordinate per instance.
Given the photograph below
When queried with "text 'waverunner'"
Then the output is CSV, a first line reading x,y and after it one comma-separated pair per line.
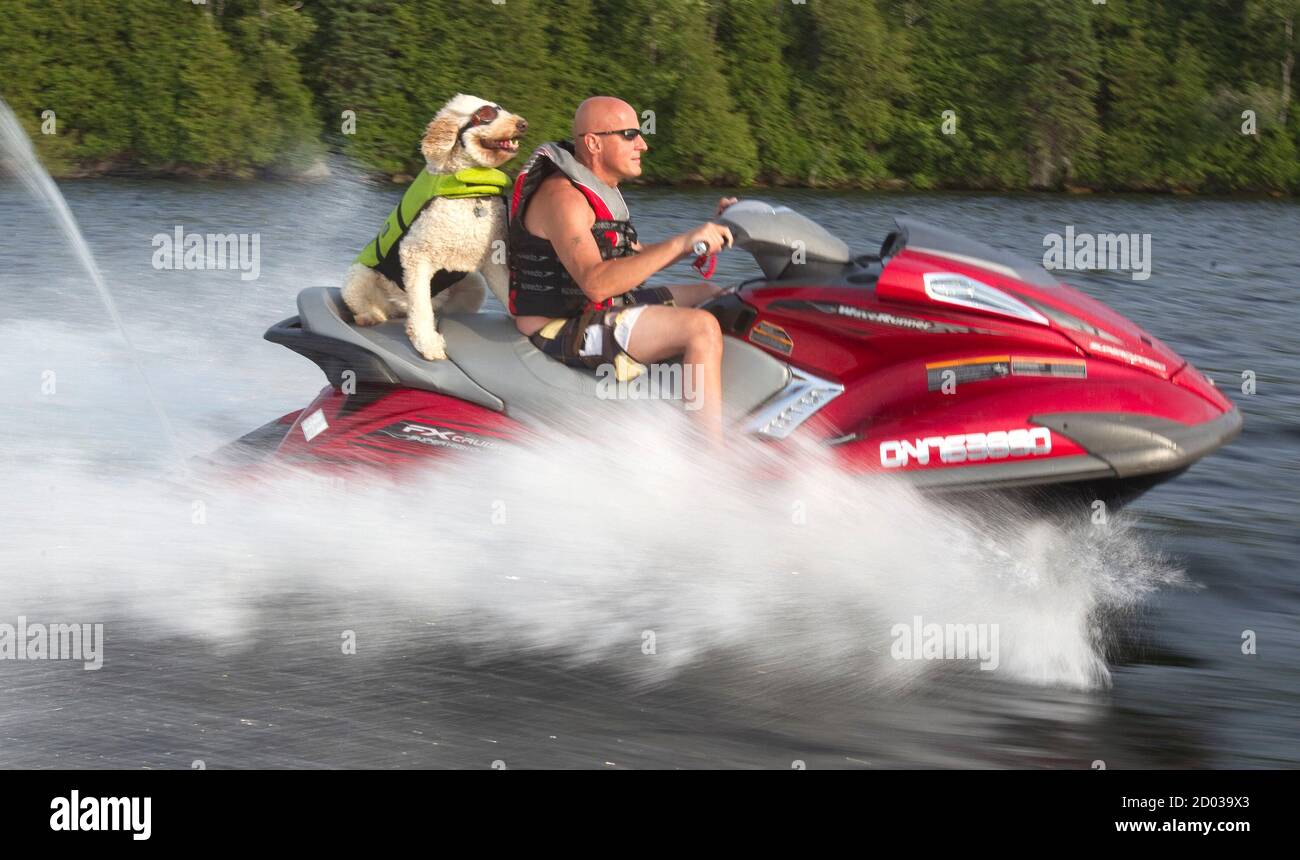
x,y
941,360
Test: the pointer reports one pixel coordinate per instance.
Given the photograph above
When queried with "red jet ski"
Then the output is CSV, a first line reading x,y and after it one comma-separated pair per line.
x,y
940,360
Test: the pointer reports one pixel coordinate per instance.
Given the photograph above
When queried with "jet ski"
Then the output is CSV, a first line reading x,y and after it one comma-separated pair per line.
x,y
939,359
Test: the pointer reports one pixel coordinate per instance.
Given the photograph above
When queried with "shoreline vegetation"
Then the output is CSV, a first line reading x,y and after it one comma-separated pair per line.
x,y
1166,96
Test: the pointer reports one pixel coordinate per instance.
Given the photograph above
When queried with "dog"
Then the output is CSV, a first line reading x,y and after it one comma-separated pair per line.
x,y
424,271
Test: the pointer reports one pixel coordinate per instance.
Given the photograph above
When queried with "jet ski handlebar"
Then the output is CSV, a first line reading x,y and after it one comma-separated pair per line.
x,y
773,234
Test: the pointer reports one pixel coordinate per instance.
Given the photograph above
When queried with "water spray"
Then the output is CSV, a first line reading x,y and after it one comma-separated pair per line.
x,y
16,149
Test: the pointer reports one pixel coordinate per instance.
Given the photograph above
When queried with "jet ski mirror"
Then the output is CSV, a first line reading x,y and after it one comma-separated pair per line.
x,y
781,240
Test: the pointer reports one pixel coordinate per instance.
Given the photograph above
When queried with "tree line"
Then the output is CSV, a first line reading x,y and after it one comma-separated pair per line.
x,y
1142,95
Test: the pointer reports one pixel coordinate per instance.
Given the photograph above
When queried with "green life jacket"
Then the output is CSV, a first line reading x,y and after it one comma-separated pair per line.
x,y
381,254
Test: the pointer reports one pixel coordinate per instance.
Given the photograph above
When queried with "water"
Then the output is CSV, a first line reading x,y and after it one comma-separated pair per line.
x,y
524,641
20,161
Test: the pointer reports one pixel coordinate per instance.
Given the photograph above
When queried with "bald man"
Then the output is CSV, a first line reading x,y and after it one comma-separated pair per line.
x,y
577,269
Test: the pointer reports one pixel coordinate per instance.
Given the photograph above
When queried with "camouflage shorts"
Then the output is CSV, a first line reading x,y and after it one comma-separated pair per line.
x,y
593,338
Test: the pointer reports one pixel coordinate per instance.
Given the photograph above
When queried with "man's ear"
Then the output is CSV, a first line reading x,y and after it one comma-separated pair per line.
x,y
440,138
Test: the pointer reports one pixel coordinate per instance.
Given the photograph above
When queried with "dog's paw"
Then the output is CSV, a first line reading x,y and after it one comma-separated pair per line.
x,y
428,344
373,317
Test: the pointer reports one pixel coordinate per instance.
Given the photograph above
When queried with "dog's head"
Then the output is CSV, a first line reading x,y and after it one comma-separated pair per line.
x,y
471,132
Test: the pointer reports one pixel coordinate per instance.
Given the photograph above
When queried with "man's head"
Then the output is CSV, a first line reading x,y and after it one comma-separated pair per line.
x,y
610,156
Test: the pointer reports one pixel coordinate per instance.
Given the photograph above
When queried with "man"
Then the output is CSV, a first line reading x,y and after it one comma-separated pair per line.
x,y
576,268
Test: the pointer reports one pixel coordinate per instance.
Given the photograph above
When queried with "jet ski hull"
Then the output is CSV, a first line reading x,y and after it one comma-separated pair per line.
x,y
941,361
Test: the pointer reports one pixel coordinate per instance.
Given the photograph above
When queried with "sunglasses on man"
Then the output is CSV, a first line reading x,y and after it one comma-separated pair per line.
x,y
625,133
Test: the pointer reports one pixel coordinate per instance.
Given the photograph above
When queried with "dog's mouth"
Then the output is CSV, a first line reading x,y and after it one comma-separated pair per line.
x,y
504,144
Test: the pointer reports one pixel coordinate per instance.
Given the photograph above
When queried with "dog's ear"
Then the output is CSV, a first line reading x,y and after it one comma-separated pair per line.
x,y
440,137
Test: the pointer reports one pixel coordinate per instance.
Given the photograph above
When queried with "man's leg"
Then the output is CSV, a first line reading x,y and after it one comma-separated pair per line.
x,y
666,332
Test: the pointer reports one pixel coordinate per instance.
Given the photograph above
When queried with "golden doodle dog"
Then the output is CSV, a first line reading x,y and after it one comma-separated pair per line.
x,y
450,222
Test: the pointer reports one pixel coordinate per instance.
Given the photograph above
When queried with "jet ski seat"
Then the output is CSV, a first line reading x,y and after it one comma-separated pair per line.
x,y
323,331
492,364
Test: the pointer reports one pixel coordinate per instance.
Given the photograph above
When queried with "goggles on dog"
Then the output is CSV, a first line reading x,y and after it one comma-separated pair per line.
x,y
482,116
625,133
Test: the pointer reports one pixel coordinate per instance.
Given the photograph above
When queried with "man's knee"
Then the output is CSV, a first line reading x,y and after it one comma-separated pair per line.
x,y
705,332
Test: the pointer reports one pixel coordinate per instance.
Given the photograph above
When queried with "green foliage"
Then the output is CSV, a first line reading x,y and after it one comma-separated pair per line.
x,y
161,86
985,94
753,36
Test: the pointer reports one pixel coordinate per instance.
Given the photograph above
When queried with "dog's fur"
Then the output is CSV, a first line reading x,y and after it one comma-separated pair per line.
x,y
446,235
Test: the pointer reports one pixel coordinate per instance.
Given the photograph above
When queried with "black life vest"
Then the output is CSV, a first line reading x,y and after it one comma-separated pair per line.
x,y
539,283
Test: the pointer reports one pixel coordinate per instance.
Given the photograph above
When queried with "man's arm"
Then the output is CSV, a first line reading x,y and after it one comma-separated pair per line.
x,y
564,218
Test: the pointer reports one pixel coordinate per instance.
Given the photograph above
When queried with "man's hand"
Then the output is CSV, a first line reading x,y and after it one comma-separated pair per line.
x,y
724,202
715,236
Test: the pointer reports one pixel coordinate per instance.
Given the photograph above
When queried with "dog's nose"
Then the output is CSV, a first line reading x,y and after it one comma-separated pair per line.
x,y
521,125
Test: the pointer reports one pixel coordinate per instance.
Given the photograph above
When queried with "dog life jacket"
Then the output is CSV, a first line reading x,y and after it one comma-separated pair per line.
x,y
539,283
381,254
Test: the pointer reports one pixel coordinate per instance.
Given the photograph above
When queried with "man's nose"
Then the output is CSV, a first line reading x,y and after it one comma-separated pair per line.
x,y
641,145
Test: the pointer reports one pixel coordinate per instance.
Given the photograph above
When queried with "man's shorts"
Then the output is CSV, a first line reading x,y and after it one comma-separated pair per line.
x,y
599,337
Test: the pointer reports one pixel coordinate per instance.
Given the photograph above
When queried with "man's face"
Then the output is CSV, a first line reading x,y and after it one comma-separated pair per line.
x,y
618,155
